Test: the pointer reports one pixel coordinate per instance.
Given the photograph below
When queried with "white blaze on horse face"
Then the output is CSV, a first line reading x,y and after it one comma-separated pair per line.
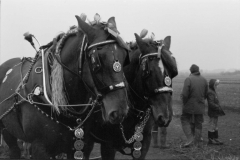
x,y
115,46
160,65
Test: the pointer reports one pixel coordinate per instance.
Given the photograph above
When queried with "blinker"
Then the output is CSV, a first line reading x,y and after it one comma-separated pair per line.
x,y
145,67
95,62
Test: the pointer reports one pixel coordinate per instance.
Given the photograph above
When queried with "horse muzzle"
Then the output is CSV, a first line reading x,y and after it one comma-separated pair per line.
x,y
115,117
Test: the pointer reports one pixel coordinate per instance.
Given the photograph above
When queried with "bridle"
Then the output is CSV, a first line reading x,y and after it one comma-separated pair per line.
x,y
91,55
167,88
144,60
95,67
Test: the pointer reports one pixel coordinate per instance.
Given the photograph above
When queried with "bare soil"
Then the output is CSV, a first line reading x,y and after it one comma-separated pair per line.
x,y
229,133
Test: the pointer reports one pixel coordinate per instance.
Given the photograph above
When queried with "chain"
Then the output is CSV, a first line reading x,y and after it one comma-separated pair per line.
x,y
4,114
139,129
95,103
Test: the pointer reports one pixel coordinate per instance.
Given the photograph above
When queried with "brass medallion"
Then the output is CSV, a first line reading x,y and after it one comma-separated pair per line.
x,y
127,150
78,155
136,153
137,145
168,81
78,145
139,137
79,133
117,66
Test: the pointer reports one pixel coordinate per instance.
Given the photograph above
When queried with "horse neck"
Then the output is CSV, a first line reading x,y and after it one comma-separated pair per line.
x,y
74,86
131,70
133,78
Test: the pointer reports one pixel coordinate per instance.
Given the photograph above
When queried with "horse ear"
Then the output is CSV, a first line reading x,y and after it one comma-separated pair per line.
x,y
112,24
167,42
143,33
90,31
141,44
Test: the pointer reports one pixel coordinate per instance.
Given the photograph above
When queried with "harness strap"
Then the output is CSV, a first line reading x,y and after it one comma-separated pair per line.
x,y
57,57
101,43
112,87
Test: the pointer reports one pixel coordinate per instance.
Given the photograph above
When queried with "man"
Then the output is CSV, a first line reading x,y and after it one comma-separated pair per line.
x,y
193,97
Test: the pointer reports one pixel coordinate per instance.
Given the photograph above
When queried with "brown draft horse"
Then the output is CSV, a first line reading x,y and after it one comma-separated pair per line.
x,y
24,111
149,76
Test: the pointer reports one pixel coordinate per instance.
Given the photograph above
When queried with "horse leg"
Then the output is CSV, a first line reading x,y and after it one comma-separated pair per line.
x,y
29,150
107,152
88,149
26,150
163,138
11,141
39,150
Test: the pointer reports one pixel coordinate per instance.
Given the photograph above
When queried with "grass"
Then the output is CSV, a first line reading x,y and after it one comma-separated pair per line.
x,y
228,90
229,96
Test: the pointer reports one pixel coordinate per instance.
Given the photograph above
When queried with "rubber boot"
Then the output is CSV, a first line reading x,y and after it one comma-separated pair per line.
x,y
211,138
155,139
188,133
163,138
216,138
198,137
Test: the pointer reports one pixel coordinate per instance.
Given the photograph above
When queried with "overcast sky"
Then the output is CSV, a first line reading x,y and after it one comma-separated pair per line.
x,y
204,32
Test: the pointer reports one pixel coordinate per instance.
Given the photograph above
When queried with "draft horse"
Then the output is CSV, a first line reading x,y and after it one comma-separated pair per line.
x,y
149,77
86,61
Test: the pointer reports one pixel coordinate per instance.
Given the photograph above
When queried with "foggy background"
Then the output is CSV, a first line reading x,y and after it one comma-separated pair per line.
x,y
204,32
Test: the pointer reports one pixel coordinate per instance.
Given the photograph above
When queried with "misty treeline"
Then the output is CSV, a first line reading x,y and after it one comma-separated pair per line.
x,y
231,73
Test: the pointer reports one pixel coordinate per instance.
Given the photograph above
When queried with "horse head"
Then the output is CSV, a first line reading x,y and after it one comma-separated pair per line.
x,y
154,68
102,68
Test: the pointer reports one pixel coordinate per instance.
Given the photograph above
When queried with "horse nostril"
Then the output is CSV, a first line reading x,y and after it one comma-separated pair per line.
x,y
160,119
114,117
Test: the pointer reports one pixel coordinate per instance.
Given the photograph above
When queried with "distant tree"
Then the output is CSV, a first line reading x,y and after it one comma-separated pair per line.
x,y
231,73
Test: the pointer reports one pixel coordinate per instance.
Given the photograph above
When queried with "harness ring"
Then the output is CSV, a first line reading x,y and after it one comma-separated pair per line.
x,y
38,70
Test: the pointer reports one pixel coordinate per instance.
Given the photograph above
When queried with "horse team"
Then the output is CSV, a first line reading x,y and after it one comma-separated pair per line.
x,y
101,90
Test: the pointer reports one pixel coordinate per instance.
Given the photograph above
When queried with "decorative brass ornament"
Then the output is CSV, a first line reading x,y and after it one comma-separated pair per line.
x,y
127,150
79,133
78,145
136,153
137,145
137,127
37,91
78,155
139,137
168,81
117,66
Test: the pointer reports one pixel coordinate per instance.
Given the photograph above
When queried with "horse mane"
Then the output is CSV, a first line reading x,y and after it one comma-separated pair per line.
x,y
58,95
57,80
134,46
